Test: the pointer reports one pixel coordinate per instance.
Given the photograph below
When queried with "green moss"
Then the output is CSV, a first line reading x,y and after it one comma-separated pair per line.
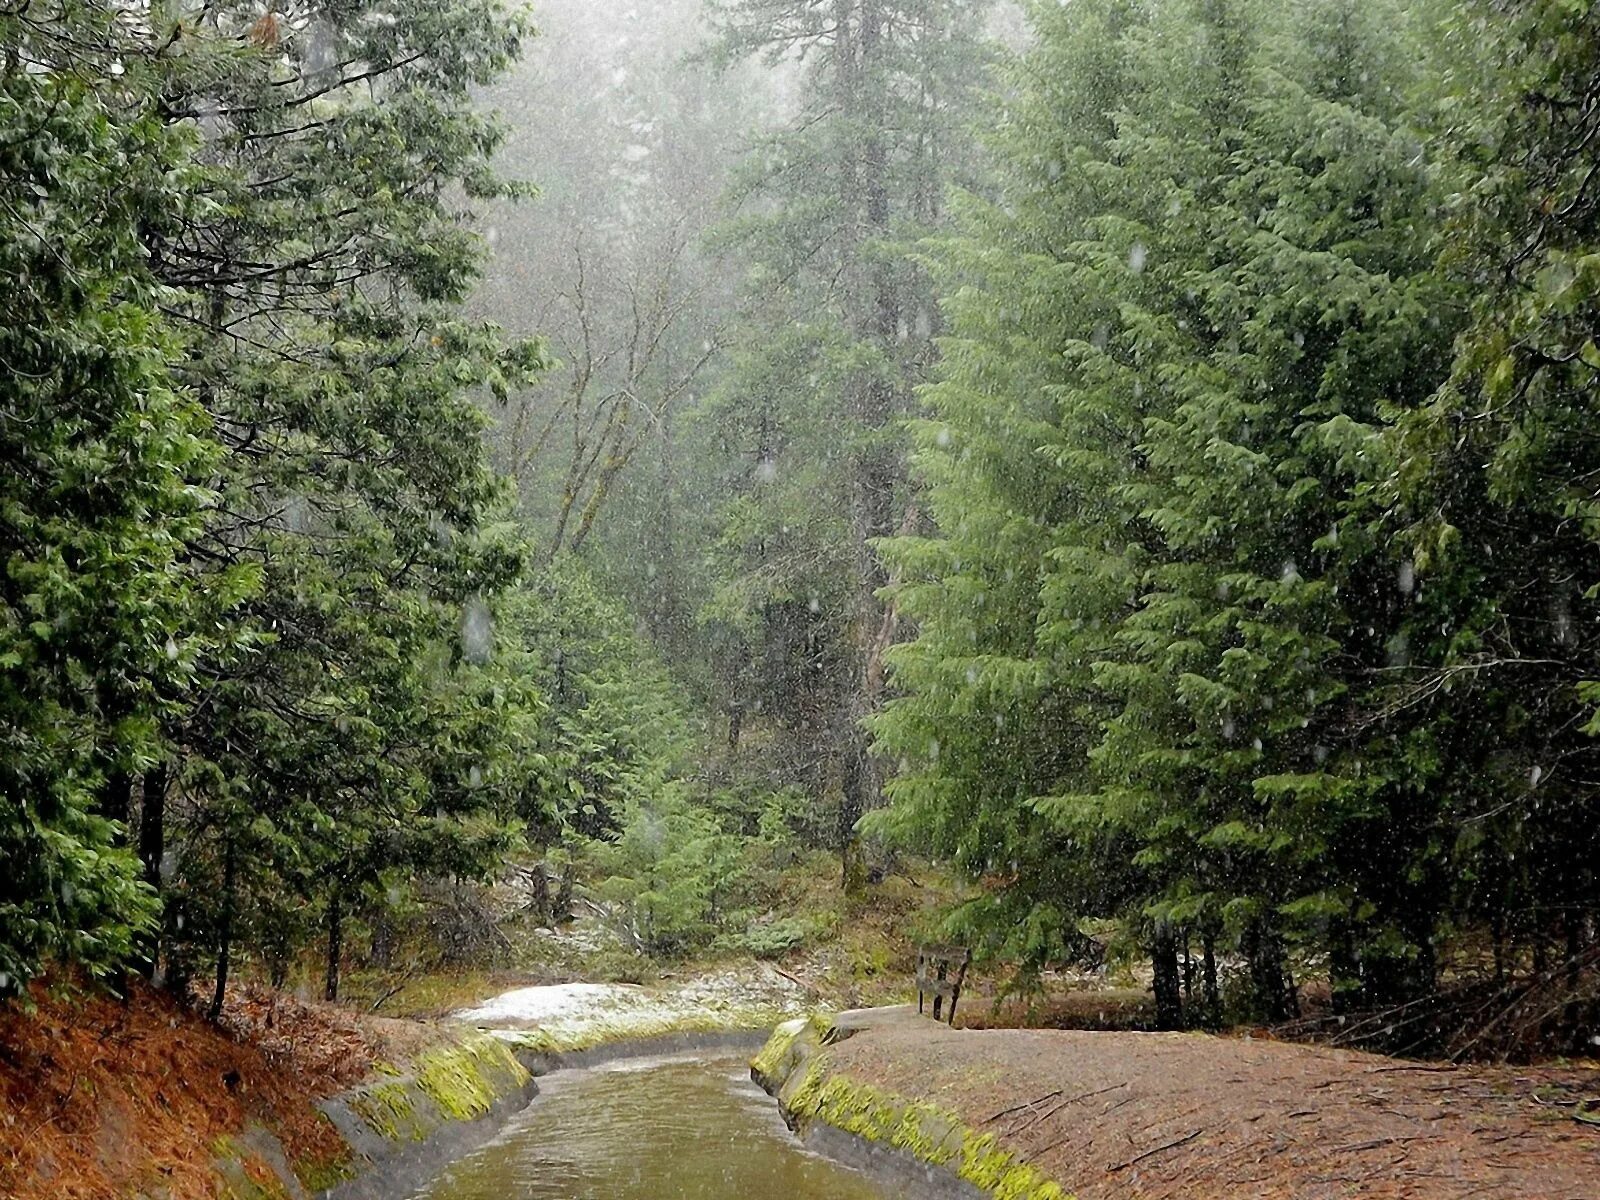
x,y
390,1110
466,1079
794,1065
463,1080
786,1048
925,1131
244,1175
317,1176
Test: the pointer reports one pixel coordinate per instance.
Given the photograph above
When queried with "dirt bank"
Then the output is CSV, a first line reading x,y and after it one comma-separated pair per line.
x,y
287,1100
1114,1116
100,1098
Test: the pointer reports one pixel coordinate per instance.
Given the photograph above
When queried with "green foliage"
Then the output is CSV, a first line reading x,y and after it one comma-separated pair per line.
x,y
617,725
299,658
101,466
356,724
836,321
1160,602
1492,479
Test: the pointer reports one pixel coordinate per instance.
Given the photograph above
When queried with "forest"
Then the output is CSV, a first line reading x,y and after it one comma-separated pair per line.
x,y
1139,457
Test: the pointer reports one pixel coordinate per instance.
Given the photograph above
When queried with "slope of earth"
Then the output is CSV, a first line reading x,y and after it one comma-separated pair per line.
x,y
1113,1116
100,1098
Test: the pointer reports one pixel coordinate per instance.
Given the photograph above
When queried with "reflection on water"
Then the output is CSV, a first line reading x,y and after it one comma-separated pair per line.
x,y
649,1129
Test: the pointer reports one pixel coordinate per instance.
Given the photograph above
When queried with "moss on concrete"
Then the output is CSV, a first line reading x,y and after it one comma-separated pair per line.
x,y
390,1109
460,1080
318,1177
466,1079
794,1066
790,1045
244,1175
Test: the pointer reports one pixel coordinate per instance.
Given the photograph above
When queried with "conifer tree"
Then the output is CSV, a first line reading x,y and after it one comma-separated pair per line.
x,y
102,462
837,333
1213,242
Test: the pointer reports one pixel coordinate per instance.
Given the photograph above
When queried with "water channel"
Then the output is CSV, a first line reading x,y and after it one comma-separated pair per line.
x,y
674,1128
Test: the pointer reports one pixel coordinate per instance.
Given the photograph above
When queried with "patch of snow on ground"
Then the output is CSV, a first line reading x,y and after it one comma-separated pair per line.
x,y
557,1002
564,1009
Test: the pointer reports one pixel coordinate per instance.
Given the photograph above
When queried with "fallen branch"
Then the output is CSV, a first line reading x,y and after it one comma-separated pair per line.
x,y
1139,1158
392,992
1043,1117
1006,1112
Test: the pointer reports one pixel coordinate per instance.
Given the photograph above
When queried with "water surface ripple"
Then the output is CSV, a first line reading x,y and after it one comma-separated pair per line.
x,y
679,1128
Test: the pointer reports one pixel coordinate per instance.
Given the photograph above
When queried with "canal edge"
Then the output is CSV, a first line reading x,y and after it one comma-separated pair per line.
x,y
909,1144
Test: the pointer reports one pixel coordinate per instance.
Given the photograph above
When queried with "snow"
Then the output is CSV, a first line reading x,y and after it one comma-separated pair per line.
x,y
576,1011
558,1002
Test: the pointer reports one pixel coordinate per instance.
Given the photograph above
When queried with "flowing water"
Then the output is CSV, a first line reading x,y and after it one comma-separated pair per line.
x,y
679,1128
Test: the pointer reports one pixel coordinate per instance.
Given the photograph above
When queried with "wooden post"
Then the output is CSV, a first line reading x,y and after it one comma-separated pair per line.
x,y
934,977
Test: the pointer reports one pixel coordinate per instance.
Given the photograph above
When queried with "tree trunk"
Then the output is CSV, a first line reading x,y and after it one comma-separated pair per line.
x,y
1263,953
225,943
153,823
116,797
1572,920
152,848
1188,968
563,906
541,894
382,945
1166,984
852,804
1212,993
330,982
1344,967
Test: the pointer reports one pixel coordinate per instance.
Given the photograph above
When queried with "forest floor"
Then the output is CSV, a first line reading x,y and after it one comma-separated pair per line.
x,y
1117,1115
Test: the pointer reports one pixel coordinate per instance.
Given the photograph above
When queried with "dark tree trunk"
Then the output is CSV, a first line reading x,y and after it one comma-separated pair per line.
x,y
1166,984
1212,993
1344,967
153,823
116,798
152,847
330,981
563,906
852,803
1263,953
1497,926
541,894
225,942
1573,1016
735,727
382,945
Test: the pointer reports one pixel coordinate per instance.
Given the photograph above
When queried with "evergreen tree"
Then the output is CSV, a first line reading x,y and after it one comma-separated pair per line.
x,y
1493,484
317,286
1214,246
838,331
101,466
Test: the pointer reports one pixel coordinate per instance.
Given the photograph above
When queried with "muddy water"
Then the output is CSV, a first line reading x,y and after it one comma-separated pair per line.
x,y
681,1128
